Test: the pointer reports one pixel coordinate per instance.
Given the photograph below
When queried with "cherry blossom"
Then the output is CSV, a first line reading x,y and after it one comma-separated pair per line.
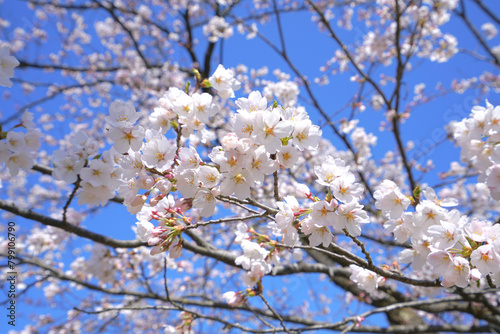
x,y
224,82
366,279
7,64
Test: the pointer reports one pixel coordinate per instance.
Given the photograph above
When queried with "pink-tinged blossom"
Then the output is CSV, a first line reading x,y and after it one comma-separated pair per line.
x,y
145,181
402,228
224,82
475,275
122,115
188,158
163,115
306,135
183,105
128,188
486,259
243,123
125,139
418,255
131,163
32,139
97,173
346,190
251,252
287,156
449,232
15,141
228,161
489,30
164,186
303,191
7,64
158,152
427,213
187,183
20,160
390,200
254,102
283,225
27,120
321,235
258,270
285,91
94,195
459,275
67,167
269,129
366,279
208,176
205,201
234,299
203,107
217,28
260,164
83,145
441,261
478,230
135,204
166,205
237,183
241,232
330,170
493,181
350,216
325,213
290,235
286,214
230,141
430,194
175,249
144,230
493,126
455,270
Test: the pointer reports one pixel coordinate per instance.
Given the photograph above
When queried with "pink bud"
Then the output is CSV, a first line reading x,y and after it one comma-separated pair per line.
x,y
154,241
153,201
303,191
139,200
156,250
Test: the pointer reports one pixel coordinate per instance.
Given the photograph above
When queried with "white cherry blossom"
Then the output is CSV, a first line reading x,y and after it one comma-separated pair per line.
x,y
7,64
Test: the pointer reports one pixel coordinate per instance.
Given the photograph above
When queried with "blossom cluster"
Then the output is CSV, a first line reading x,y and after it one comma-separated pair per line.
x,y
446,242
18,149
146,161
7,64
340,209
478,137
